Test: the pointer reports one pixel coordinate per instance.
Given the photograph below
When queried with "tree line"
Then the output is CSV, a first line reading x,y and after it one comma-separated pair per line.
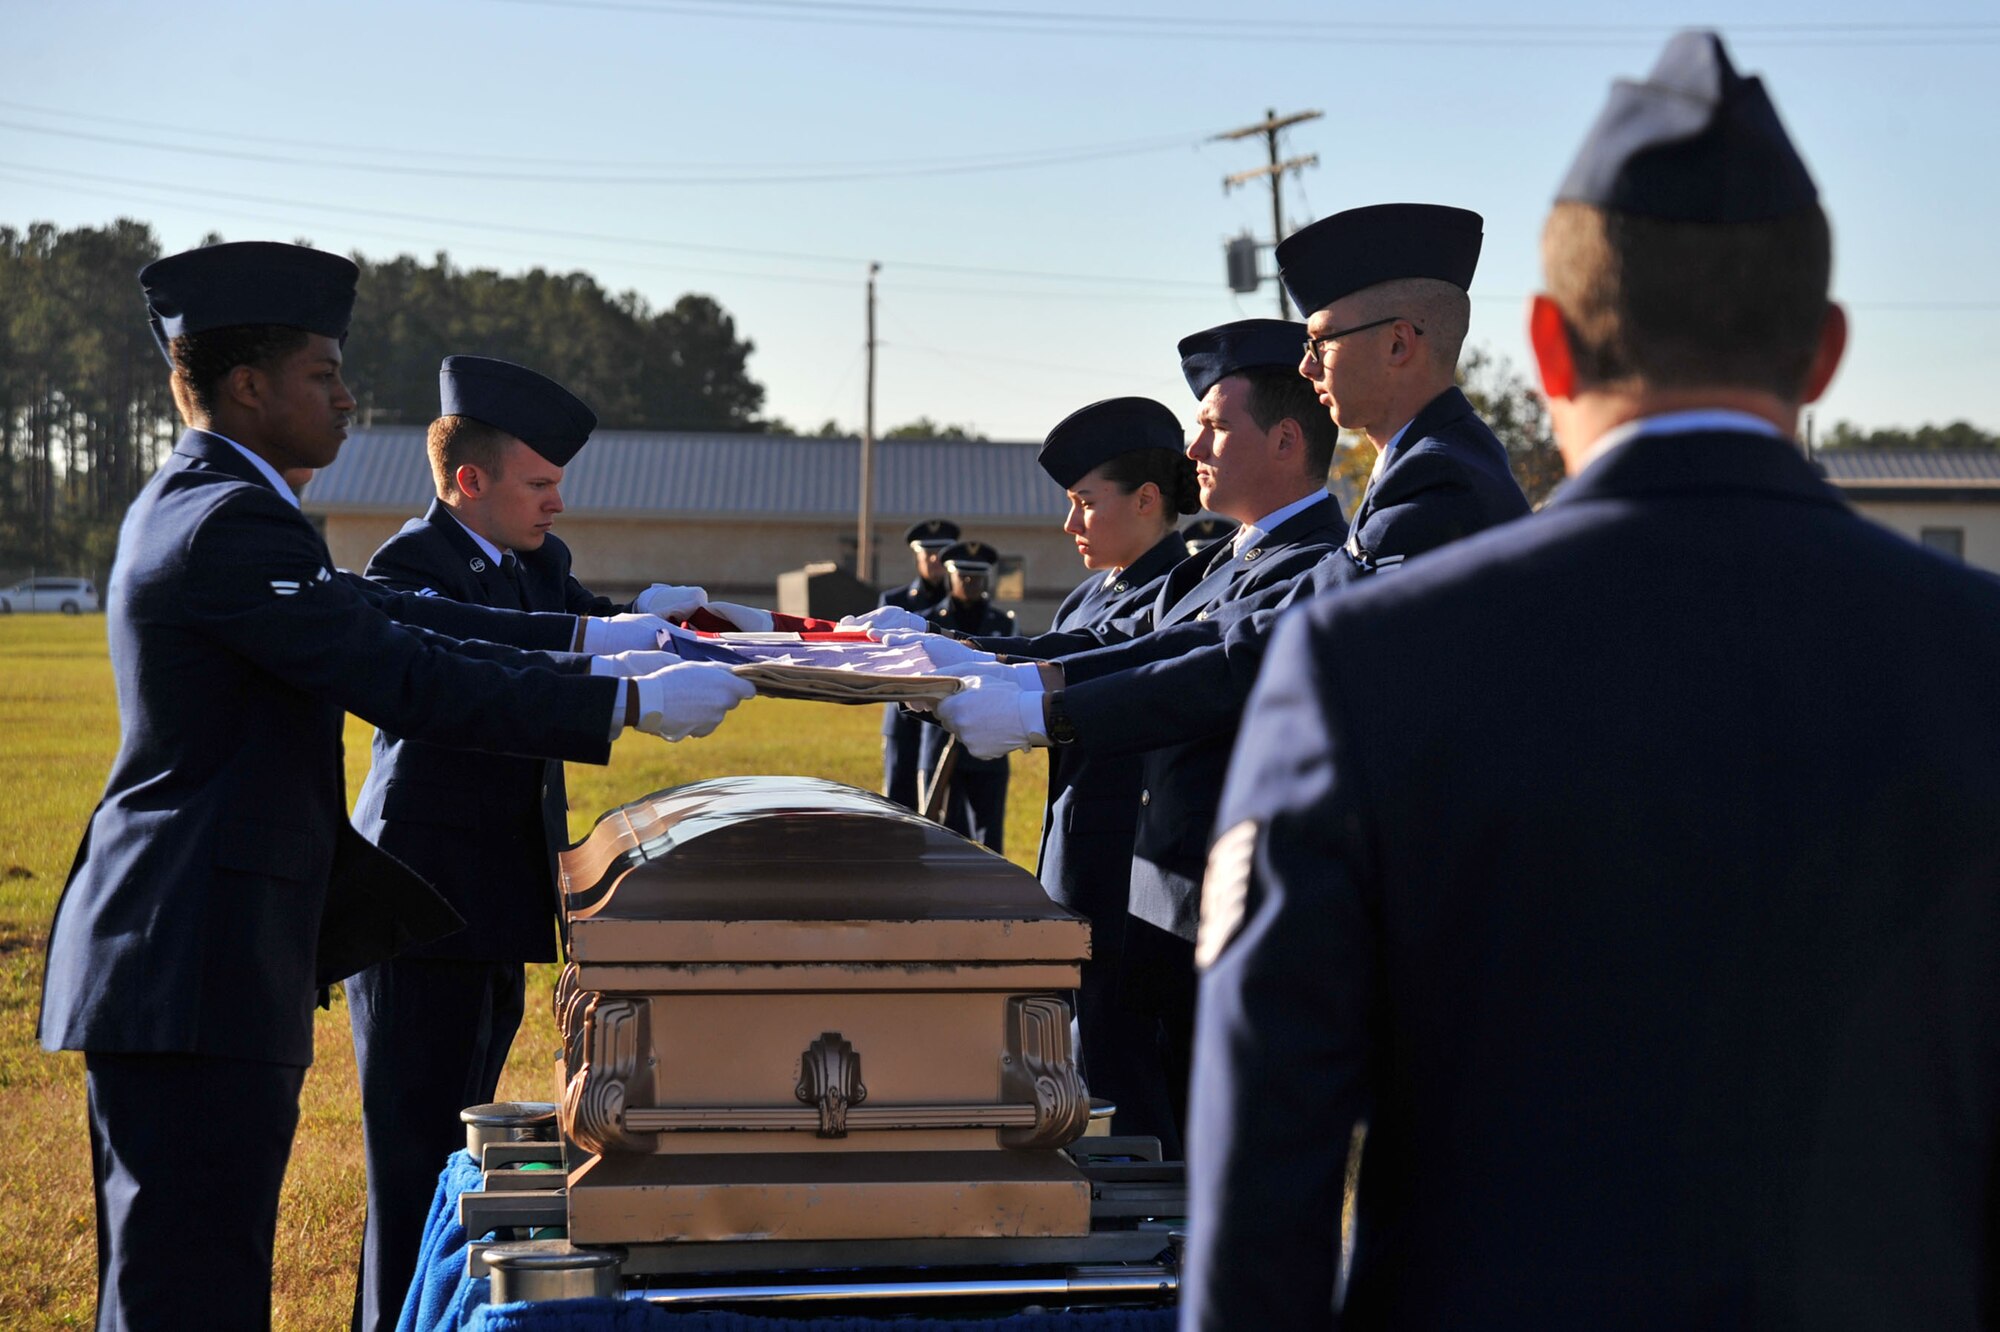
x,y
86,413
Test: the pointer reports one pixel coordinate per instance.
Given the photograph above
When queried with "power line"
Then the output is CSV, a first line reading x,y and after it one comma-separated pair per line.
x,y
541,257
997,158
1057,157
173,188
1169,21
1275,29
176,195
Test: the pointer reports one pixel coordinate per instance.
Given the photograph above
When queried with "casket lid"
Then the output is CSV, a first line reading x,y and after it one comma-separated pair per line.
x,y
748,869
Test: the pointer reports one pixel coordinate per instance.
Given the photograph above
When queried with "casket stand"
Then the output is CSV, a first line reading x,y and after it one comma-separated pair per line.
x,y
813,1043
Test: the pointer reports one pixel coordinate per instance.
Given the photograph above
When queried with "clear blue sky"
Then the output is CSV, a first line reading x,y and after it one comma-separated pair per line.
x,y
762,151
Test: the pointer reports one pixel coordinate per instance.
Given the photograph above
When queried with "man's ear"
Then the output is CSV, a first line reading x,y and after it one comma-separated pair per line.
x,y
1826,356
244,385
471,482
1548,334
1402,346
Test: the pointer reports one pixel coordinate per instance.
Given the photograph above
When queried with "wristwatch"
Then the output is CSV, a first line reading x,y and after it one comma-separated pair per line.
x,y
1055,718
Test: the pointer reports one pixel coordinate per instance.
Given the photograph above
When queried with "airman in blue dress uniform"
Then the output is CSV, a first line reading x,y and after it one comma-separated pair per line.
x,y
1628,871
1205,532
432,1027
218,885
1127,480
902,731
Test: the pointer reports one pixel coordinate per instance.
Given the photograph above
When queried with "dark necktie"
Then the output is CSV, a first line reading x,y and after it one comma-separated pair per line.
x,y
510,564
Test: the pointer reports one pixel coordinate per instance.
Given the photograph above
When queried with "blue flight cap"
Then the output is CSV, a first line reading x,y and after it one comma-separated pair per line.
x,y
1696,142
932,533
974,557
1203,531
1090,436
533,408
1229,349
1339,255
248,282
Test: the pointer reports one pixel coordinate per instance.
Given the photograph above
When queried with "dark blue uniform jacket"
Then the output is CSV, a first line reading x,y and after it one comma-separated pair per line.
x,y
483,829
1632,870
1448,477
191,917
1183,776
1086,854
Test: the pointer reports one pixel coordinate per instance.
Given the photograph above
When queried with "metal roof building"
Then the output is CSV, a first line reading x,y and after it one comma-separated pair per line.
x,y
1906,471
731,512
1947,499
675,474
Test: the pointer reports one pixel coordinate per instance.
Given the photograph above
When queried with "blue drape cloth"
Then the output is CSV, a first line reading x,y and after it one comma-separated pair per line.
x,y
442,1292
444,1299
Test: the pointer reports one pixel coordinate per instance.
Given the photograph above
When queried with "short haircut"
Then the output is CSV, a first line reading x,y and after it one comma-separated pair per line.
x,y
1278,392
1442,311
1689,304
203,360
1169,469
454,441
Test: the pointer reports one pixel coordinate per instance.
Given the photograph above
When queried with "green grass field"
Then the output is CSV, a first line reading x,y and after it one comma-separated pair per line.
x,y
58,733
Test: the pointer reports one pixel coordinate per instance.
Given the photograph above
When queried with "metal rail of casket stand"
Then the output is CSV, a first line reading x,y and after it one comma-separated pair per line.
x,y
1134,1259
1077,1285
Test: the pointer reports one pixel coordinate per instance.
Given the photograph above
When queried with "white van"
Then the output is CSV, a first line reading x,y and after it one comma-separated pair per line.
x,y
71,596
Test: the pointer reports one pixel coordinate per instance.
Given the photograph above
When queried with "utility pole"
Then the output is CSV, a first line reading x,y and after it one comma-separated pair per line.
x,y
864,547
1269,128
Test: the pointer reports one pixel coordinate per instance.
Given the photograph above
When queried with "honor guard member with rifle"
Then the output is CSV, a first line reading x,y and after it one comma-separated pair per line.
x,y
1650,916
902,730
432,1026
1261,456
1121,465
976,803
219,885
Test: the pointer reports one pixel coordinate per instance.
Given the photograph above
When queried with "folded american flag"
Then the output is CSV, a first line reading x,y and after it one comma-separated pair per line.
x,y
829,668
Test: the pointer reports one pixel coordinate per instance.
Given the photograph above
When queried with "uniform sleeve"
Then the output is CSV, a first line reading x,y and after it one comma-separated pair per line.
x,y
1186,681
461,619
564,663
1431,503
580,600
1284,1027
258,584
1049,646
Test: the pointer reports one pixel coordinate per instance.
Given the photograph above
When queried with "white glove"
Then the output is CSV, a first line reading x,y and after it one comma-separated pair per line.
x,y
947,653
746,618
604,636
670,601
993,717
884,618
1025,676
625,665
688,698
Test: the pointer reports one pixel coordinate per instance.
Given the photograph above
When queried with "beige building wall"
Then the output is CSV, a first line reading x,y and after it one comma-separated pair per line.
x,y
739,559
1980,524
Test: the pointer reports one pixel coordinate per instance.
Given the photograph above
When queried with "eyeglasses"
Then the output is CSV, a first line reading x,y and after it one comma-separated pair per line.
x,y
1316,347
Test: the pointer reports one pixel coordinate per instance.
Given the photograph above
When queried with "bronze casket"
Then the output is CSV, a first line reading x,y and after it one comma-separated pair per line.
x,y
795,1010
